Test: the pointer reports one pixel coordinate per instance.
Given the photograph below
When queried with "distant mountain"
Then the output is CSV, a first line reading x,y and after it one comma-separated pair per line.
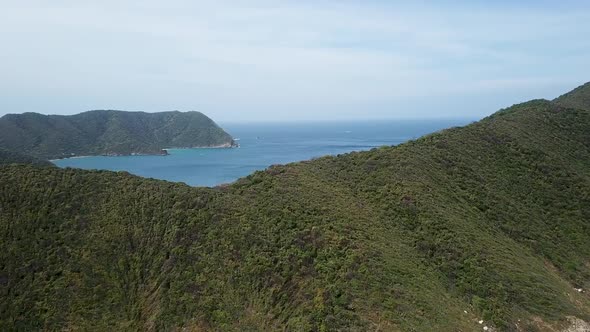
x,y
11,157
487,225
108,133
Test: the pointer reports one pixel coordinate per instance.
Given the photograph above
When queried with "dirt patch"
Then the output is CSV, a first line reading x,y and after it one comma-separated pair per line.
x,y
577,325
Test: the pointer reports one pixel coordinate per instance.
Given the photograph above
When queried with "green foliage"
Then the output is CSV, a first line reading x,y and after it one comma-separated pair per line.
x,y
108,133
11,157
578,98
488,221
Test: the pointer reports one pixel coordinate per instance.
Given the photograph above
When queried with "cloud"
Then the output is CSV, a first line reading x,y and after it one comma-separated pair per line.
x,y
284,59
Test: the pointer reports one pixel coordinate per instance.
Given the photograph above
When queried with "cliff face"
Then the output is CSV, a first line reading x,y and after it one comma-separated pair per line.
x,y
108,133
488,222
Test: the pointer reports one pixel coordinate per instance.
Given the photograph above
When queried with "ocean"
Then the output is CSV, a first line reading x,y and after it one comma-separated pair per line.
x,y
262,145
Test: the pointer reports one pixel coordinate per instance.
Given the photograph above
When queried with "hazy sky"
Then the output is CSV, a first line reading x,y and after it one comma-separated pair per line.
x,y
290,60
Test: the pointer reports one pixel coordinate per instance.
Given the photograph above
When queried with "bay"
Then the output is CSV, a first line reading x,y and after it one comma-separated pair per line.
x,y
262,145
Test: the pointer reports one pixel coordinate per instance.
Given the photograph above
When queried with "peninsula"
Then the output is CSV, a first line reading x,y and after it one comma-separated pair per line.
x,y
109,133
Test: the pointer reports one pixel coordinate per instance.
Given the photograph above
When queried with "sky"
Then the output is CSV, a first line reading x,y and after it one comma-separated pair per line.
x,y
286,60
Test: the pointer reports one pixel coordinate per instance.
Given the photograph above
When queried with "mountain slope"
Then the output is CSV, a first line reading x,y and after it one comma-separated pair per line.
x,y
11,157
577,98
108,133
489,221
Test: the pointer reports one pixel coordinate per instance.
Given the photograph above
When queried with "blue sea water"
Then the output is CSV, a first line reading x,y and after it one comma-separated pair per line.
x,y
262,145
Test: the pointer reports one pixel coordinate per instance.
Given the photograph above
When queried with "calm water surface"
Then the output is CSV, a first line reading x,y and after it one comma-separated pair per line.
x,y
262,145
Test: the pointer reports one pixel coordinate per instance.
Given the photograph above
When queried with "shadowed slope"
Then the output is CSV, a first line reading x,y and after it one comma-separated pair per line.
x,y
11,157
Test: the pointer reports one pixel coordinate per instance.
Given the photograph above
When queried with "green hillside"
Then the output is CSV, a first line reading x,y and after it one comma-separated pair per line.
x,y
486,222
577,98
11,157
108,133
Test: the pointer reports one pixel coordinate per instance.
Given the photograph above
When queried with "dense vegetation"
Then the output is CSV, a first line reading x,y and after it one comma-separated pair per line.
x,y
489,221
108,133
11,157
577,98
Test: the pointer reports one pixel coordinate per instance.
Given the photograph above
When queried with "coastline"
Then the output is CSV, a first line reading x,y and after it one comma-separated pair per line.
x,y
114,155
164,152
74,157
222,146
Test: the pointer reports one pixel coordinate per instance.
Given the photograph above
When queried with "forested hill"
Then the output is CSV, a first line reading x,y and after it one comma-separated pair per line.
x,y
11,157
487,222
108,133
577,98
